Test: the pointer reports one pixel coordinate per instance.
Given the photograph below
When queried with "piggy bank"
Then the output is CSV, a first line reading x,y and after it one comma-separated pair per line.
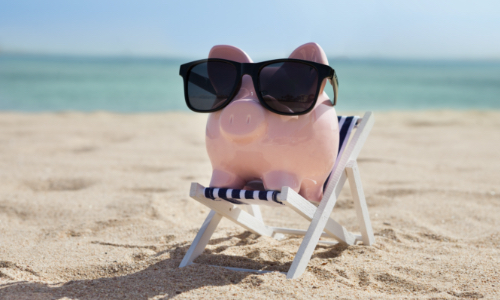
x,y
247,143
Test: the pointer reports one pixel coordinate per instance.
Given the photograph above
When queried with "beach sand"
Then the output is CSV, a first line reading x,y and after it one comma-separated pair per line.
x,y
96,206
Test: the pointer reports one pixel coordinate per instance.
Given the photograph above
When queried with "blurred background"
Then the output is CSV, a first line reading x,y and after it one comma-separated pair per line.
x,y
124,56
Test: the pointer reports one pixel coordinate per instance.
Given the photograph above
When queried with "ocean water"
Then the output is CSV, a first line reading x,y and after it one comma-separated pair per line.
x,y
52,83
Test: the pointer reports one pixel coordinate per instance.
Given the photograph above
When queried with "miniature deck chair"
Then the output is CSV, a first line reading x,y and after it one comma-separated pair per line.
x,y
225,202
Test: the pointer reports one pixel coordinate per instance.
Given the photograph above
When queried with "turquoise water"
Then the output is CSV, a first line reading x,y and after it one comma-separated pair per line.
x,y
51,83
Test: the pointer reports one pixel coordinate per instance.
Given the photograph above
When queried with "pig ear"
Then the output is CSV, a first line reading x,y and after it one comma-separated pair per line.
x,y
311,52
230,53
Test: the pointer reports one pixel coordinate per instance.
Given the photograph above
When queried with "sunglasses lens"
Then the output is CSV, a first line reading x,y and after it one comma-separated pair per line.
x,y
289,87
210,84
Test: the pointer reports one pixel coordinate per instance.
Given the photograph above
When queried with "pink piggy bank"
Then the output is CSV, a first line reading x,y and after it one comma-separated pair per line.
x,y
246,142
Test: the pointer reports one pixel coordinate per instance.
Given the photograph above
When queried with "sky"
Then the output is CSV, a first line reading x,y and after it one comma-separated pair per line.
x,y
264,29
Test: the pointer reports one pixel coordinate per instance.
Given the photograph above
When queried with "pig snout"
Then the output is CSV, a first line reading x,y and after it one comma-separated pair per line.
x,y
243,121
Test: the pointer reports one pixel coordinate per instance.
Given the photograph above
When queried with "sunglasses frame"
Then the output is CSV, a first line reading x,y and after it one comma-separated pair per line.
x,y
254,69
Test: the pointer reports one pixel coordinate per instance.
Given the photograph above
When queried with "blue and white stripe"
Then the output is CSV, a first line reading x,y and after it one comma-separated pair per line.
x,y
346,124
237,196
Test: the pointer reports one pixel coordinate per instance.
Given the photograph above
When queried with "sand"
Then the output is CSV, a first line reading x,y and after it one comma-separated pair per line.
x,y
96,206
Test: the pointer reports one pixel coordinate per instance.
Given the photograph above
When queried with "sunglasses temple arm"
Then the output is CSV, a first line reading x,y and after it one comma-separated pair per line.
x,y
335,83
202,82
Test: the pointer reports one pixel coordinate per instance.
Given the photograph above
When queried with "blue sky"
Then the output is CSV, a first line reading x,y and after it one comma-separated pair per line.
x,y
264,29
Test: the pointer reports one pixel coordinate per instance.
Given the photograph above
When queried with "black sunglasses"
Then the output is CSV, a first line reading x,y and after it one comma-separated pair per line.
x,y
283,86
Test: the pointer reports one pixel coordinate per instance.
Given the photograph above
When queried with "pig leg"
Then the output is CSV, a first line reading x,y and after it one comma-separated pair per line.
x,y
224,179
311,189
275,180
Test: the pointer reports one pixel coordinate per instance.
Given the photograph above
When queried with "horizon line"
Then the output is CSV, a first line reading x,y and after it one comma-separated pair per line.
x,y
179,57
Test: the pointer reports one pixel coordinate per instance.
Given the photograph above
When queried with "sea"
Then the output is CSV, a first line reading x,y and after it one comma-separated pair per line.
x,y
41,83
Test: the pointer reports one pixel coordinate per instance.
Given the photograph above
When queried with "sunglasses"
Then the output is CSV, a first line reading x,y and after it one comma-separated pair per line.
x,y
283,86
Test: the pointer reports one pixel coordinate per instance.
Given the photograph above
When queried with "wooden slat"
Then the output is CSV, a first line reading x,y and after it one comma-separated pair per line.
x,y
254,210
359,199
202,238
310,241
247,270
307,210
294,231
351,153
242,270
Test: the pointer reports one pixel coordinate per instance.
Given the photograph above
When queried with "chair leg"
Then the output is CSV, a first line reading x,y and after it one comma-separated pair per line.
x,y
308,210
360,203
254,210
202,238
231,212
311,239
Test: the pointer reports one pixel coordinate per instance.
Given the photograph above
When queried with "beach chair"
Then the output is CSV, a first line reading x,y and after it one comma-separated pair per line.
x,y
228,203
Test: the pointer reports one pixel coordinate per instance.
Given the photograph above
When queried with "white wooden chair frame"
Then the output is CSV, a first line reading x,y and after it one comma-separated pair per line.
x,y
321,223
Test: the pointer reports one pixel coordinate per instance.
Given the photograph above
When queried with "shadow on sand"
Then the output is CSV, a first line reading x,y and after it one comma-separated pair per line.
x,y
164,279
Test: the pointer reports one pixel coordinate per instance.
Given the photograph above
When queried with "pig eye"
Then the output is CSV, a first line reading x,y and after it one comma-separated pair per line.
x,y
210,84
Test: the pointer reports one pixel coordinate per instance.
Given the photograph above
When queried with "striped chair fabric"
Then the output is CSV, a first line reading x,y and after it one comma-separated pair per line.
x,y
270,198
